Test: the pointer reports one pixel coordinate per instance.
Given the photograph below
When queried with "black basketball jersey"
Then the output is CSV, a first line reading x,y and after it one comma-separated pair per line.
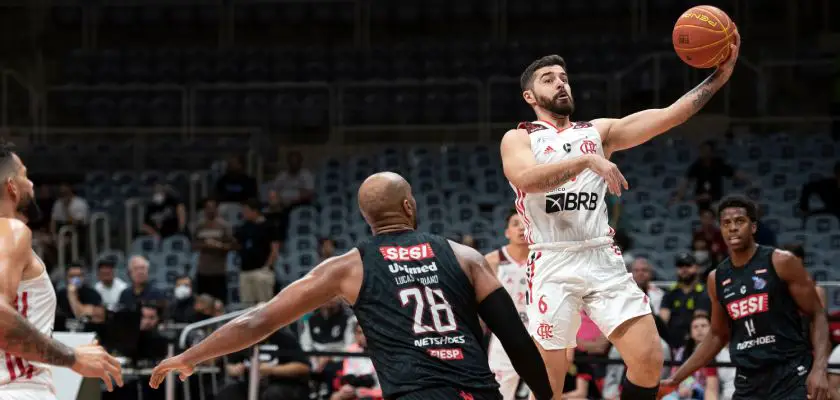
x,y
418,312
765,325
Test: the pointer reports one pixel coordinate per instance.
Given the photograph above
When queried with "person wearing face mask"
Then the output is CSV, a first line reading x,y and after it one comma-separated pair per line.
x,y
182,307
166,214
686,297
77,300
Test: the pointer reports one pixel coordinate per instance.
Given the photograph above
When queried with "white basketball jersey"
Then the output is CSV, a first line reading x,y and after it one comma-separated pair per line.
x,y
36,302
575,211
514,278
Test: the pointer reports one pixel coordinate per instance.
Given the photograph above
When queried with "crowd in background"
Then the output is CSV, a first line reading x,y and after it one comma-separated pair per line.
x,y
89,291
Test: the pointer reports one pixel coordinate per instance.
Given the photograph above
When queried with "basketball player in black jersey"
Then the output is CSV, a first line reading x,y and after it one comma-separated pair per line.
x,y
417,297
757,295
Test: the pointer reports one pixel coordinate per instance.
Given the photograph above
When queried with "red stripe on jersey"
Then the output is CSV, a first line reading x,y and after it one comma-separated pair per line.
x,y
520,209
29,371
11,367
20,366
25,301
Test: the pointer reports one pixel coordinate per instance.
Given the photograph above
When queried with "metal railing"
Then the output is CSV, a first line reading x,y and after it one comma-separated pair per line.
x,y
97,236
67,235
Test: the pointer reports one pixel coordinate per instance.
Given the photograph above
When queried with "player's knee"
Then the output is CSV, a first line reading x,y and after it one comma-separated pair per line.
x,y
648,363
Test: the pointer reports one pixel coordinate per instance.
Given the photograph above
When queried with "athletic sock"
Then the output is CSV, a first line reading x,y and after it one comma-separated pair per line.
x,y
631,391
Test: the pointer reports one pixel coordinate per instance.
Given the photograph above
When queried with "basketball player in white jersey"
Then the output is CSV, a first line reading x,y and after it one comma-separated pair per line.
x,y
560,172
27,303
509,264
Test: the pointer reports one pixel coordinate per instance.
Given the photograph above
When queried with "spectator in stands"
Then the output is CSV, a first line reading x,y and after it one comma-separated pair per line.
x,y
827,189
43,241
141,290
705,383
183,308
283,368
686,297
213,239
326,248
277,215
153,345
618,221
77,300
579,383
108,286
643,273
327,329
799,251
709,232
207,307
258,249
707,173
357,378
71,210
296,185
763,234
166,215
706,261
235,185
590,342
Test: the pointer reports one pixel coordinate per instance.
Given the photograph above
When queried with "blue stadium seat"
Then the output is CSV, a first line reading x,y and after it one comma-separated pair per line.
x,y
176,244
144,245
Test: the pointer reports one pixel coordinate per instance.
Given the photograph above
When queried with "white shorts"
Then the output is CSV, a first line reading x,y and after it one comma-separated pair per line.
x,y
17,393
566,278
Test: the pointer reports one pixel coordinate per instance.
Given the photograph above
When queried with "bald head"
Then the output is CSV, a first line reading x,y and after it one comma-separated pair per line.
x,y
385,199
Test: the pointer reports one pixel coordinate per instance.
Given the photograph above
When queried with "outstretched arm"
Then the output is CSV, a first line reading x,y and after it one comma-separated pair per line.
x,y
320,285
638,128
803,290
17,335
711,345
497,310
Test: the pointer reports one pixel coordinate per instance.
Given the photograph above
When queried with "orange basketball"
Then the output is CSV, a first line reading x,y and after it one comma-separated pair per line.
x,y
702,36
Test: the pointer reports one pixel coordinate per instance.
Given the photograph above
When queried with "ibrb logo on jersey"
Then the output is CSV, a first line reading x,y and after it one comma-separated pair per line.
x,y
753,304
571,202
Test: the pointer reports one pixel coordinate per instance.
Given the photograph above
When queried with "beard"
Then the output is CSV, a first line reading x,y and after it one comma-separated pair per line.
x,y
687,279
28,208
557,106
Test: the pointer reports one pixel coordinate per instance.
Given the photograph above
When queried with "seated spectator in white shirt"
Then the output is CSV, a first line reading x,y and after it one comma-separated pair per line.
x,y
108,285
296,185
69,209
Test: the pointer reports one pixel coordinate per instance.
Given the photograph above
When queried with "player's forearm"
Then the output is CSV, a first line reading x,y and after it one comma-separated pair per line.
x,y
500,314
693,101
22,339
546,177
245,331
702,356
819,337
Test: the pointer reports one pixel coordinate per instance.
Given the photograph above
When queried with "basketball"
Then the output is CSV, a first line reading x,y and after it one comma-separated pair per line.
x,y
702,36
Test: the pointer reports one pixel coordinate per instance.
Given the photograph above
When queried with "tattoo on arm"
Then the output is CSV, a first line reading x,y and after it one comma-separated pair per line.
x,y
557,180
23,338
702,93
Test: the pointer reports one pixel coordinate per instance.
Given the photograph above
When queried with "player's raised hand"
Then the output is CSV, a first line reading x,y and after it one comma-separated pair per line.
x,y
610,172
728,65
92,361
818,385
176,364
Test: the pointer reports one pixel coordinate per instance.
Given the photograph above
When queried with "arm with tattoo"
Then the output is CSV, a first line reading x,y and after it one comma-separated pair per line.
x,y
21,338
17,335
638,128
522,170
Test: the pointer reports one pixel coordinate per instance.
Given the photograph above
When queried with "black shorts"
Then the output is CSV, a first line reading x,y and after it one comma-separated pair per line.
x,y
450,393
786,381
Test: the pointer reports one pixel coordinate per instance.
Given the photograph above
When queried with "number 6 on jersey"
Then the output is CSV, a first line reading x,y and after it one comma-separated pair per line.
x,y
438,304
